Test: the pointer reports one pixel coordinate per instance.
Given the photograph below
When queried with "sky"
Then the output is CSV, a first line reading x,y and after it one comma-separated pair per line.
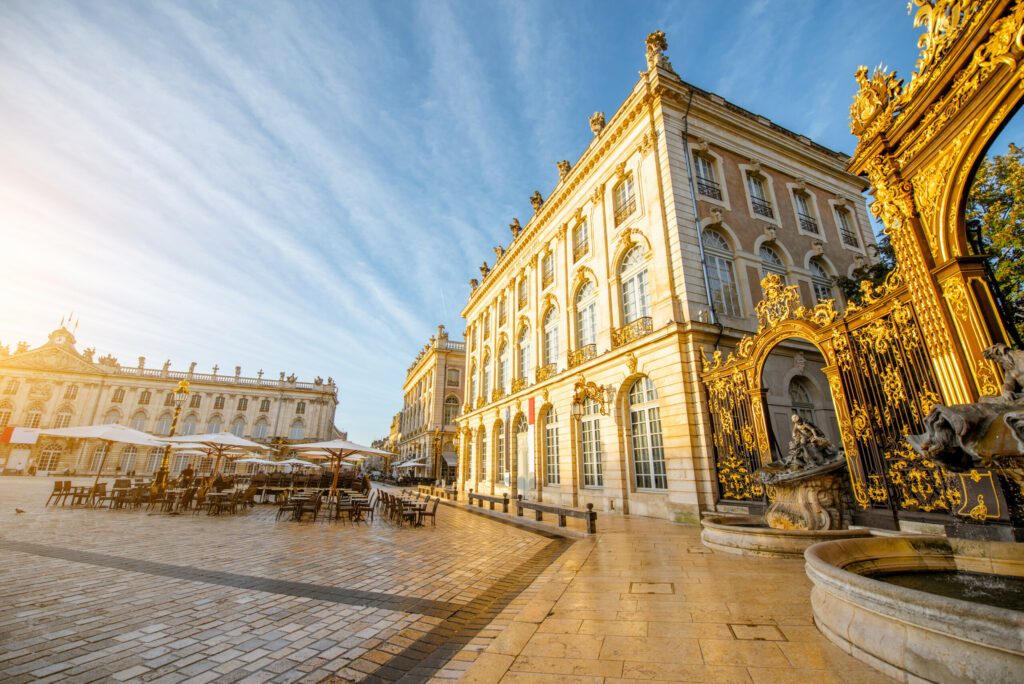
x,y
308,186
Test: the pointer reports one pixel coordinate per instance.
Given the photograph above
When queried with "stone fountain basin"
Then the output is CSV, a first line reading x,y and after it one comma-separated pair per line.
x,y
750,536
909,634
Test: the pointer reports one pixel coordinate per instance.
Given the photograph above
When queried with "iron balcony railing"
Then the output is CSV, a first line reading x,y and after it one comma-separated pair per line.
x,y
623,211
762,207
497,393
709,188
808,223
848,237
547,371
632,331
582,355
518,384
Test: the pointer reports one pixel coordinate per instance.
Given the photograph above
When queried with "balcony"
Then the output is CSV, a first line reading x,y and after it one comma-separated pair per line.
x,y
582,355
497,394
762,207
709,188
848,238
548,371
480,402
625,209
518,384
808,223
641,327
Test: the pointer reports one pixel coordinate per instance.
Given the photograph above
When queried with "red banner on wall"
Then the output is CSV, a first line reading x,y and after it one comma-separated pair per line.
x,y
530,414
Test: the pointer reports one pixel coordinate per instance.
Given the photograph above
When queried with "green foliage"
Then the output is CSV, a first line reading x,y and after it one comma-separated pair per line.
x,y
874,272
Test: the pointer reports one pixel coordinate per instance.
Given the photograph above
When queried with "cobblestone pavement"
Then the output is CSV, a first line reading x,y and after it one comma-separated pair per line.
x,y
93,594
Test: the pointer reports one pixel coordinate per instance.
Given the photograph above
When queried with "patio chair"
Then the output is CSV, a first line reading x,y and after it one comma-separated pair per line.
x,y
309,506
431,513
58,491
406,513
287,506
202,501
370,505
186,499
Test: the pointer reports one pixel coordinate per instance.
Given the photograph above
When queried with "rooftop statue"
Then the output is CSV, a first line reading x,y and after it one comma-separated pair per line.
x,y
564,167
597,122
536,200
484,270
515,228
656,46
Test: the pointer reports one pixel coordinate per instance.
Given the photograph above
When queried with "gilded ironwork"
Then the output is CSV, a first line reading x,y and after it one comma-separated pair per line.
x,y
630,332
547,371
582,355
518,385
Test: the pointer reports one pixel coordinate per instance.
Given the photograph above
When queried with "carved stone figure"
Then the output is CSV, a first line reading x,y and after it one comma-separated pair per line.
x,y
318,380
87,353
330,380
22,347
192,367
597,122
292,378
484,270
473,283
563,169
166,366
656,46
808,446
499,251
515,228
1012,363
536,201
238,371
142,362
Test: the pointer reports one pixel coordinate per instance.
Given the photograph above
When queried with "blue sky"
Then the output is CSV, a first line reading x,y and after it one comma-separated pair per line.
x,y
308,186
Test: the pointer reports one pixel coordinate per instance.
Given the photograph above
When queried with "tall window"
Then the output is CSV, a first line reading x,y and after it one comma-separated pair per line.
x,y
822,282
110,417
800,398
522,293
138,421
5,414
551,336
128,455
502,310
590,444
144,397
451,410
645,434
265,406
636,299
238,427
624,199
163,424
297,431
803,212
503,367
243,403
472,383
195,401
846,232
300,408
487,327
169,399
487,376
118,396
707,183
721,278
453,377
548,268
215,425
156,455
771,262
580,240
188,427
63,417
484,455
586,315
218,404
49,459
12,386
99,457
551,447
34,416
499,451
71,393
759,201
524,353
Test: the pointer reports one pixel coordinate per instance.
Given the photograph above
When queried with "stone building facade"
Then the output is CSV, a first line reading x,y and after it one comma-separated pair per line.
x,y
648,253
426,430
55,385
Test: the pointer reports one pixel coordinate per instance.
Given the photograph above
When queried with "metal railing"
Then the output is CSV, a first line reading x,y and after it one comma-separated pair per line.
x,y
762,207
709,188
627,208
808,223
547,371
582,355
848,237
632,331
497,393
223,379
518,384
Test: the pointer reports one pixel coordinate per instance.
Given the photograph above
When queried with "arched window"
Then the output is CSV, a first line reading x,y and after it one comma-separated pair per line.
x,y
645,433
156,457
522,293
451,410
118,396
188,426
800,398
145,396
551,336
484,455
487,376
71,392
49,458
62,419
524,353
238,427
12,386
624,199
580,240
472,383
6,411
265,406
636,298
771,262
499,451
721,277
138,421
34,415
822,282
163,424
261,429
109,418
99,457
300,408
128,455
215,424
586,315
551,473
590,444
298,430
503,377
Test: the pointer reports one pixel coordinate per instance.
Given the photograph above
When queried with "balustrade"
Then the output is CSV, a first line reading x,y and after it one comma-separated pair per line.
x,y
632,331
762,207
582,355
547,371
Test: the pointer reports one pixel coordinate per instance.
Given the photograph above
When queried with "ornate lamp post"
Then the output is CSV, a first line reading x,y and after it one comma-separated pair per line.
x,y
180,395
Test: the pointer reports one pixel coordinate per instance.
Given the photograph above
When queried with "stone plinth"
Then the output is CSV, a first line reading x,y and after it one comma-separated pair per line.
x,y
808,499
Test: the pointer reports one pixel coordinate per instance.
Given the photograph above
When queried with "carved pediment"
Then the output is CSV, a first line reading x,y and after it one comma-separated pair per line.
x,y
50,359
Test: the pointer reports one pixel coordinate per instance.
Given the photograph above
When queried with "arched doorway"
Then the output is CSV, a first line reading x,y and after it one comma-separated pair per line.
x,y
794,384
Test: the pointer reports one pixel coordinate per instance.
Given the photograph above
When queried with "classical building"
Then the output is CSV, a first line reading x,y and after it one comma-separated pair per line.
x,y
55,385
426,433
586,336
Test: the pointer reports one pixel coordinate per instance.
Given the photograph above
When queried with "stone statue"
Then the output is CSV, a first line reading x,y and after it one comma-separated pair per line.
x,y
259,374
536,201
563,169
515,228
656,46
597,122
318,380
238,371
499,251
473,283
808,446
292,378
330,380
142,362
87,353
1012,363
484,270
192,367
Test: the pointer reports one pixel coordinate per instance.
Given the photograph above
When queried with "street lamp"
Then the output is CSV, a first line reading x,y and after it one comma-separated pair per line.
x,y
180,395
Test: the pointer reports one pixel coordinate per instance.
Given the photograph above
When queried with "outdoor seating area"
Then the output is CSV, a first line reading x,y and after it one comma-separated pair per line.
x,y
140,495
353,505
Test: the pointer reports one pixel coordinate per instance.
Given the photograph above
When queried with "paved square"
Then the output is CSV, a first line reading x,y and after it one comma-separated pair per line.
x,y
93,594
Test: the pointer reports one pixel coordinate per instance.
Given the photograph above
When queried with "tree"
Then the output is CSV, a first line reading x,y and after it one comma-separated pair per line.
x,y
996,200
874,272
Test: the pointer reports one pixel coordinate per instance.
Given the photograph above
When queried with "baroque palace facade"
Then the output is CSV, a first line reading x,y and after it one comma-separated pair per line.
x,y
424,432
55,386
585,338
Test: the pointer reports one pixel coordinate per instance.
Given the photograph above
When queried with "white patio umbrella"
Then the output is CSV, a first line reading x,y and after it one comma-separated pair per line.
x,y
339,450
219,445
105,433
297,462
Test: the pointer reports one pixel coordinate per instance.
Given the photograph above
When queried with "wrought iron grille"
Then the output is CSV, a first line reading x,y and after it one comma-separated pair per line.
x,y
582,355
546,371
632,331
623,211
808,223
709,188
734,437
762,207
